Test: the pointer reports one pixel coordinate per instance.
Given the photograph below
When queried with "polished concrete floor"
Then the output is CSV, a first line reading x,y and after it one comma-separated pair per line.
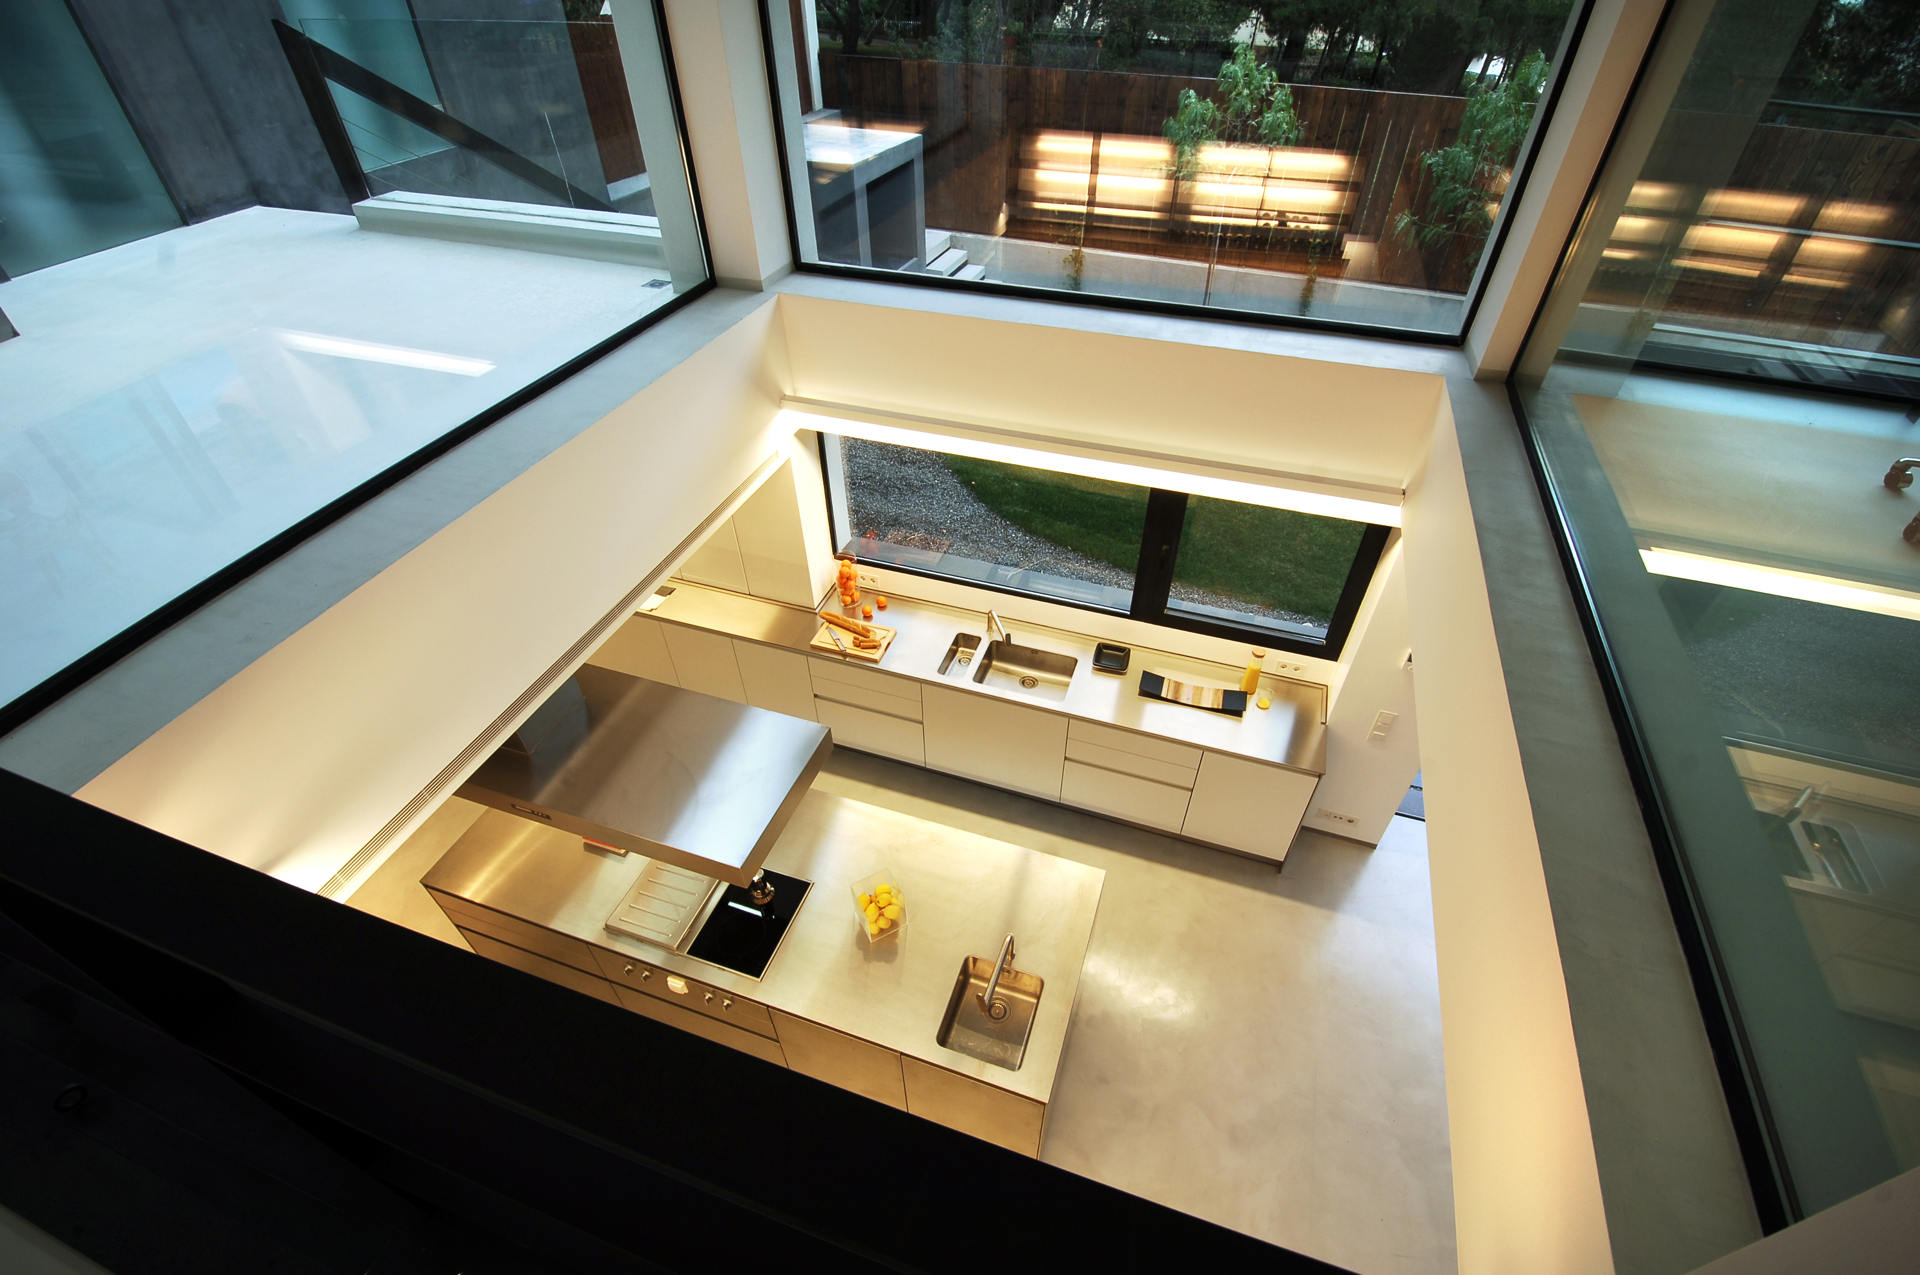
x,y
1260,1049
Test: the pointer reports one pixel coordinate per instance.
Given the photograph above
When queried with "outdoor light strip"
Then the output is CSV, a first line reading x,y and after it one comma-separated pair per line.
x,y
342,347
1358,502
1826,590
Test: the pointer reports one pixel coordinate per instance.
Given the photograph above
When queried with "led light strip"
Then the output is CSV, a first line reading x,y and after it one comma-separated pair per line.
x,y
1801,585
1379,505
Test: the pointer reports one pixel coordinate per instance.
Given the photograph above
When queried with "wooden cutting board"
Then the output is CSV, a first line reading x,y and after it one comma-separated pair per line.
x,y
822,642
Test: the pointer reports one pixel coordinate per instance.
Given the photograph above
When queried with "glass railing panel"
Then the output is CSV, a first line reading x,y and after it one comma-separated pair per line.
x,y
1751,555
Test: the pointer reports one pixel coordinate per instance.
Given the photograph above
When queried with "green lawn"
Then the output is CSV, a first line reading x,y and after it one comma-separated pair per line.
x,y
1268,557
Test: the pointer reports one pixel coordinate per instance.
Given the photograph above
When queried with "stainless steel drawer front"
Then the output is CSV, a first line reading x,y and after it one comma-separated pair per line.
x,y
688,993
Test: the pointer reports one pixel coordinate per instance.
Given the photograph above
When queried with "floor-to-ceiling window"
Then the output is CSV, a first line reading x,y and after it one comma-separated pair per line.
x,y
1348,163
1749,543
398,218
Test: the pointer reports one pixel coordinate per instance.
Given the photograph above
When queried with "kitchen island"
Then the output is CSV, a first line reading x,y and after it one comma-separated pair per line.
x,y
860,1014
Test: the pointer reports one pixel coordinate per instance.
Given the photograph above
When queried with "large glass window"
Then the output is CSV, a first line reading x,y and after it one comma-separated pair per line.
x,y
393,227
1751,549
1198,562
1332,162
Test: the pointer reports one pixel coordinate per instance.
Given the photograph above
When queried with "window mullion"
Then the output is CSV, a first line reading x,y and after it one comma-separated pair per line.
x,y
1159,548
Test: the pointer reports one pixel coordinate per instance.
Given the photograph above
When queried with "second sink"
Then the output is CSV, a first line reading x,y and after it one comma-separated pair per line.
x,y
967,1026
1026,669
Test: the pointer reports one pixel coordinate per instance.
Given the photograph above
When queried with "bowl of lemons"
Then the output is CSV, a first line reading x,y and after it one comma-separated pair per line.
x,y
880,905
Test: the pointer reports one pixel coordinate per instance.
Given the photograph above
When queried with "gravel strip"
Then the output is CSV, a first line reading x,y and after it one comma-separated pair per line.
x,y
906,496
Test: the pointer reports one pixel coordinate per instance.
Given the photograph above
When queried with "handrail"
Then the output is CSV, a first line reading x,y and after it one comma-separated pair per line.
x,y
384,93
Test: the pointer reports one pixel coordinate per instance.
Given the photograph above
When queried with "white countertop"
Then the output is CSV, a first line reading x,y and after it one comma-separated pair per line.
x,y
1291,733
964,893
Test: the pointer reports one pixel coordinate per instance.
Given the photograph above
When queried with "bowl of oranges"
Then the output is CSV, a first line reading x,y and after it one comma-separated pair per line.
x,y
880,905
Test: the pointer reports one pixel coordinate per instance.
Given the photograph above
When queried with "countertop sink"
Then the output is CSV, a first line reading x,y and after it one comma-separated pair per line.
x,y
1028,670
969,1029
960,652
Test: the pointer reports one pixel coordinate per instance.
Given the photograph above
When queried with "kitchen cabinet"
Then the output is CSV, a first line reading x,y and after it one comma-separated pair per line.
x,y
775,679
540,966
963,1103
638,648
705,662
871,732
1007,745
687,1020
1248,806
840,1059
1123,796
869,711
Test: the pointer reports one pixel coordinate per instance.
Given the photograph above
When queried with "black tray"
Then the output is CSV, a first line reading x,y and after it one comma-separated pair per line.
x,y
1111,657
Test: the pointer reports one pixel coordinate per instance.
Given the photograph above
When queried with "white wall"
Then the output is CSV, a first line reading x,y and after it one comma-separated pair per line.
x,y
1368,777
1526,1183
1332,420
295,763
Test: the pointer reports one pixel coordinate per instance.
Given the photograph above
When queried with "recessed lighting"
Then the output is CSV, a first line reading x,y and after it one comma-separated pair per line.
x,y
1801,585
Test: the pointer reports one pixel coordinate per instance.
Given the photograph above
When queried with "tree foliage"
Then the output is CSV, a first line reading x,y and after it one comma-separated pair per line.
x,y
1463,179
1255,107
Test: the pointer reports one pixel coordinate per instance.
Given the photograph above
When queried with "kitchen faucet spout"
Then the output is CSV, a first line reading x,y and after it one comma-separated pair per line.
x,y
1000,968
996,631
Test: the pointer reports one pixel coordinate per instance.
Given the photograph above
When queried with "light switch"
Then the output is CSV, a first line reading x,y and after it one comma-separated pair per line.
x,y
1382,723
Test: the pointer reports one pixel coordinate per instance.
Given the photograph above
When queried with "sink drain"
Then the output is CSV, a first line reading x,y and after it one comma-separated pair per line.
x,y
1029,681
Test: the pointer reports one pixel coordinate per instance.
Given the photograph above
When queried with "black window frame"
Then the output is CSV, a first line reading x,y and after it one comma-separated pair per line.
x,y
1153,575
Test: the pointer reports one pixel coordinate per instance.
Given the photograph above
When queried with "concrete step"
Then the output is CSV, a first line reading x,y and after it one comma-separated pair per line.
x,y
938,241
971,271
948,262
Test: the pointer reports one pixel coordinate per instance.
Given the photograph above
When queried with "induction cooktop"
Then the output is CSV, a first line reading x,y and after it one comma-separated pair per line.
x,y
742,935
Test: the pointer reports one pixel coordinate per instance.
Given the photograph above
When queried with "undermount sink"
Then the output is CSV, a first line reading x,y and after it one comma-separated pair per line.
x,y
968,1028
960,652
1028,670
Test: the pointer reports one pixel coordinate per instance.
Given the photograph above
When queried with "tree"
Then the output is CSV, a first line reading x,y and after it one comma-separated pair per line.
x,y
854,22
1464,180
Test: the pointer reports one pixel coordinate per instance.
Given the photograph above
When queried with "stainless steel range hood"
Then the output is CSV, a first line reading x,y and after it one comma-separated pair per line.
x,y
699,782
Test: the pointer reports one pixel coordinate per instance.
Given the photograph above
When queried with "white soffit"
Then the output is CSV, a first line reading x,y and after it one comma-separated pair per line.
x,y
1275,489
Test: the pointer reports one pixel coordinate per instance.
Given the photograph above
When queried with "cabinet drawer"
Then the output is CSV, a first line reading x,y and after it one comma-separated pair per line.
x,y
539,966
700,1025
688,993
871,732
1160,772
1185,756
963,1103
865,688
839,1059
521,934
1128,797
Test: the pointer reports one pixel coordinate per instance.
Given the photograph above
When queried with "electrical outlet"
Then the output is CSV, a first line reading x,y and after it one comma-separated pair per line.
x,y
867,581
1335,815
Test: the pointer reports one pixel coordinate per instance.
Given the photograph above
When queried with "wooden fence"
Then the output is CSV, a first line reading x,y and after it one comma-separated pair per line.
x,y
975,117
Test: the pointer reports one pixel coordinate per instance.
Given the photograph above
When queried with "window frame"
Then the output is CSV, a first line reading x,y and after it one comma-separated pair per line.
x,y
1153,574
1497,235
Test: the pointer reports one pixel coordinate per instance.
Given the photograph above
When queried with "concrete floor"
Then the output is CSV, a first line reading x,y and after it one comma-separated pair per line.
x,y
1259,1049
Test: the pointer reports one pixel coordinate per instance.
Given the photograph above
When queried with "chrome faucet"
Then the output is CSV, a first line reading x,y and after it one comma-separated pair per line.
x,y
996,631
1000,967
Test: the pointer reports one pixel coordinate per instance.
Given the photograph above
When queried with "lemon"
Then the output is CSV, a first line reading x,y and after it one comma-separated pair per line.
x,y
873,928
873,910
891,911
884,923
865,899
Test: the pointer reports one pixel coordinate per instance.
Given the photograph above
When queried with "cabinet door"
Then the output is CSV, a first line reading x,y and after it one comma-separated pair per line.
x,y
1128,797
539,966
775,679
687,1021
1248,806
840,1059
963,1103
705,662
638,648
871,732
1007,745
